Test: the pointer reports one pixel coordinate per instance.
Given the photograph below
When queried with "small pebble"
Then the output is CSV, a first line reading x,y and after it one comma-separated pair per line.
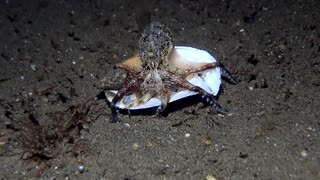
x,y
33,67
127,125
311,129
150,144
207,141
220,115
81,168
210,177
187,135
304,153
135,146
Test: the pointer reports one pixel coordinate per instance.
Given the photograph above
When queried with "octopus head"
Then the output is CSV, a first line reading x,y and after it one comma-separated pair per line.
x,y
155,45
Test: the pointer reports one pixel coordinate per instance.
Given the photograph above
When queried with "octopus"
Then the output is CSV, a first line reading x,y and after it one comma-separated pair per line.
x,y
161,73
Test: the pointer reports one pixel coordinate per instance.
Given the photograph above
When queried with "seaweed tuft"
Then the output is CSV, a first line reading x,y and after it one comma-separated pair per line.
x,y
60,134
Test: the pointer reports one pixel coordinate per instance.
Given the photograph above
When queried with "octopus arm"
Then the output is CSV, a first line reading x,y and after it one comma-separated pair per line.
x,y
184,58
153,102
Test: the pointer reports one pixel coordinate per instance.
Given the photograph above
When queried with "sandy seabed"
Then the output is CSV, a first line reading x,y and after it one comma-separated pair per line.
x,y
57,57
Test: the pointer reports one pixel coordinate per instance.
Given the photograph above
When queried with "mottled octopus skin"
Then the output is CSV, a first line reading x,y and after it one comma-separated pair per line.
x,y
155,72
185,57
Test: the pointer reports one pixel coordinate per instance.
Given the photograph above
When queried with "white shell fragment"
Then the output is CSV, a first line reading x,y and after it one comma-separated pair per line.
x,y
209,81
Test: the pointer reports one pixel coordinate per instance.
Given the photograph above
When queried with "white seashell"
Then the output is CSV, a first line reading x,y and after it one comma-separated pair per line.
x,y
186,57
212,78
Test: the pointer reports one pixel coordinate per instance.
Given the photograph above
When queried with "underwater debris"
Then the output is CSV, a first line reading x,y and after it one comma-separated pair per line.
x,y
46,141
